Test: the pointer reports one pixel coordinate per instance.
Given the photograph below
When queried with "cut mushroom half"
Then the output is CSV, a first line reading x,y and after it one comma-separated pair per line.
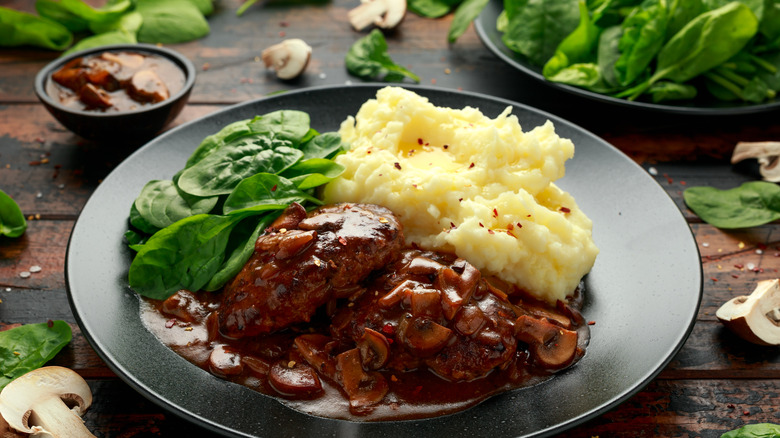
x,y
766,152
386,14
756,317
289,58
48,400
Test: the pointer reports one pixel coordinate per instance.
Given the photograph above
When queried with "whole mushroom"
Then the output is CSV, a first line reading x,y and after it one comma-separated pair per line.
x,y
756,317
766,152
289,58
38,403
386,14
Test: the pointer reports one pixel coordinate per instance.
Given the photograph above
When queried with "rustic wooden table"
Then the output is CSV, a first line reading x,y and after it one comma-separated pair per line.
x,y
714,384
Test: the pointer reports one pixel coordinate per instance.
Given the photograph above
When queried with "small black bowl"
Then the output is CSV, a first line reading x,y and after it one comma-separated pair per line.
x,y
127,126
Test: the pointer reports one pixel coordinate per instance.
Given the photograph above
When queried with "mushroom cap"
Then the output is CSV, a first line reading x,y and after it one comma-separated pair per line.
x,y
18,397
396,10
386,14
756,317
766,152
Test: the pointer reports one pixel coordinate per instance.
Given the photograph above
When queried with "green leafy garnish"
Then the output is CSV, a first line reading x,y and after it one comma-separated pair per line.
x,y
758,430
28,347
20,28
657,49
368,60
749,205
197,230
12,222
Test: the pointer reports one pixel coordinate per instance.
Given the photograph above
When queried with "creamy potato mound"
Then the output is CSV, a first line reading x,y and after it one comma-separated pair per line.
x,y
479,187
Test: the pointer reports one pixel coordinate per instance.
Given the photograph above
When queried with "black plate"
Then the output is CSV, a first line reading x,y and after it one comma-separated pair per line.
x,y
643,293
485,26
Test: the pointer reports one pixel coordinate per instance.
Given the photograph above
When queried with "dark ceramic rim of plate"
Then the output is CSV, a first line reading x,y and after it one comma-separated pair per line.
x,y
181,61
491,38
635,335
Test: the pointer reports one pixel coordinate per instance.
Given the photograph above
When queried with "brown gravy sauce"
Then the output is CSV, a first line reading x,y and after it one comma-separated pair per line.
x,y
412,394
115,81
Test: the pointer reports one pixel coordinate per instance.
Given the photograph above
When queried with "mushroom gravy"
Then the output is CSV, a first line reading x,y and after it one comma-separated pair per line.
x,y
424,335
115,81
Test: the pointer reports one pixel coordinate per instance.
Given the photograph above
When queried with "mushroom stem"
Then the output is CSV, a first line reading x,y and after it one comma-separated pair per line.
x,y
52,415
755,318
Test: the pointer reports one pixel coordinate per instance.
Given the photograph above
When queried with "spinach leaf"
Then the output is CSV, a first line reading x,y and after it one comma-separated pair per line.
x,y
706,42
757,430
537,27
171,21
162,204
241,245
430,8
221,171
206,7
54,11
12,222
110,12
644,32
666,90
185,255
464,15
314,172
139,222
214,141
265,189
104,39
135,239
578,47
680,13
129,23
749,205
609,53
757,6
30,346
368,60
20,28
287,125
326,145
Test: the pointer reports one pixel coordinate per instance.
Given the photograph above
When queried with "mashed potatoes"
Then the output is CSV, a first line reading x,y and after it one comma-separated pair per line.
x,y
462,182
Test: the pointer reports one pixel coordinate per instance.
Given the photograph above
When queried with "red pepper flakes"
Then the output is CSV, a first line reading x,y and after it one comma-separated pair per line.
x,y
40,140
734,276
460,199
170,323
480,224
35,163
273,189
565,210
388,329
397,165
713,279
591,322
746,413
446,146
739,266
761,246
683,183
491,231
206,66
283,24
669,179
411,152
50,323
452,225
471,165
519,225
495,212
419,141
282,34
730,406
511,234
342,241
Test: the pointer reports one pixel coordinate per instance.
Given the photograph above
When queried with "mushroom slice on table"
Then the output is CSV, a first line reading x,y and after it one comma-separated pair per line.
x,y
289,58
766,152
386,14
38,403
756,317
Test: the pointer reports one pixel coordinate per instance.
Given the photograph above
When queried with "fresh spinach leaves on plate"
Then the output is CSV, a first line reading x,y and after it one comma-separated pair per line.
x,y
197,230
30,346
751,204
12,222
660,49
117,22
757,430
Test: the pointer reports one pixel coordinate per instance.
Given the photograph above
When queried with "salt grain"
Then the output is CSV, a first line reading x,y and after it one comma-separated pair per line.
x,y
24,274
35,268
653,171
